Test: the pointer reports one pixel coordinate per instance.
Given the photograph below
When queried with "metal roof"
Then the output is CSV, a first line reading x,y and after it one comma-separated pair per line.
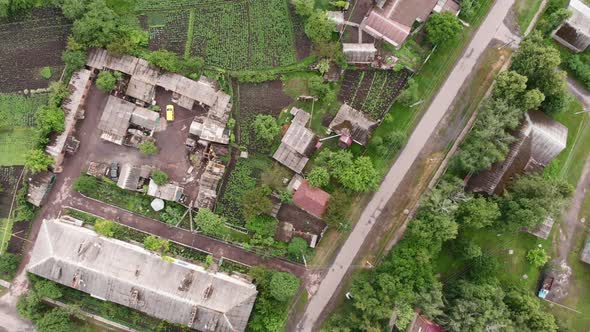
x,y
351,122
129,275
167,192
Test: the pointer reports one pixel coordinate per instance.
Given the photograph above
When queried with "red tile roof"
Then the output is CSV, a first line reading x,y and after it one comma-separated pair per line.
x,y
421,324
312,200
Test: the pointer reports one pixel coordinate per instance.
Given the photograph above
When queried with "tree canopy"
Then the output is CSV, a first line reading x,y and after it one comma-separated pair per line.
x,y
159,177
478,213
318,27
106,81
37,161
256,202
442,27
318,177
210,223
265,129
148,148
283,286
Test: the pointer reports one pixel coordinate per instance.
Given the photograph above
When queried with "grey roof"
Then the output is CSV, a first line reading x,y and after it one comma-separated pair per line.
x,y
542,231
290,158
575,32
130,175
297,142
208,184
353,123
78,86
585,255
167,192
141,90
129,275
299,138
359,53
210,130
145,118
39,186
300,116
538,140
116,116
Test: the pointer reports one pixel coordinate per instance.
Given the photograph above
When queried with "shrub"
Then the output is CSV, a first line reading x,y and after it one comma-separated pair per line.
x,y
37,161
537,257
105,227
283,286
265,128
318,177
297,247
155,243
106,81
9,263
148,148
45,72
159,177
262,225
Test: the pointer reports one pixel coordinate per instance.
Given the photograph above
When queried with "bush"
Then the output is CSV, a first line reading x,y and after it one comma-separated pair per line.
x,y
537,257
106,81
148,148
9,264
266,129
159,177
105,227
297,247
45,72
85,184
283,286
318,177
262,225
37,161
155,243
56,320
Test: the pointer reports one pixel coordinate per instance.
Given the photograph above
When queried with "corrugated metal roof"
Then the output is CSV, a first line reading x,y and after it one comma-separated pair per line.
x,y
353,123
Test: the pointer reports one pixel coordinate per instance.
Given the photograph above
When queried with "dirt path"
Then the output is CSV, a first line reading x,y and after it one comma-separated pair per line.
x,y
327,288
198,241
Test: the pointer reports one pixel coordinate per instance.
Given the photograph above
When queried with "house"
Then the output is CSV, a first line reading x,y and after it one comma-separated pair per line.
x,y
538,140
422,324
208,183
542,231
209,129
393,21
132,177
352,125
120,272
39,186
294,222
118,115
297,143
167,192
359,53
585,255
574,33
73,108
311,200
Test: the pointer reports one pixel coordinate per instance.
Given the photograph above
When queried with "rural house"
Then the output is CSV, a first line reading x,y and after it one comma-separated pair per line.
x,y
127,274
73,108
39,186
119,115
132,177
539,139
297,143
422,324
167,192
209,129
352,125
359,53
311,200
574,33
392,20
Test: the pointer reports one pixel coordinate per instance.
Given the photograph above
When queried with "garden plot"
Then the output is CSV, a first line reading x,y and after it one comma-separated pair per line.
x,y
29,44
238,34
8,180
372,91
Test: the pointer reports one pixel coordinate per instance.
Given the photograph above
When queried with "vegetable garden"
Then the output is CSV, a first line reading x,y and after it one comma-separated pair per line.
x,y
29,44
235,35
372,92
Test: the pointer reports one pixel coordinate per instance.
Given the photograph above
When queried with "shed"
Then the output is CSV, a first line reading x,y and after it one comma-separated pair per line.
x,y
130,176
542,231
359,53
127,274
39,186
208,184
167,192
116,117
210,130
538,140
585,255
297,143
145,118
574,33
311,200
140,90
352,123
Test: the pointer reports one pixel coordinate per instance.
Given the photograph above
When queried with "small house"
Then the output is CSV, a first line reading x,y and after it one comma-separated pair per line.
x,y
574,33
209,129
297,143
39,187
127,274
423,324
538,140
132,177
168,192
359,53
352,125
311,200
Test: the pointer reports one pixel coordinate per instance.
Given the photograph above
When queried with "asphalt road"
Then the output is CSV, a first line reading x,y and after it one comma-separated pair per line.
x,y
492,26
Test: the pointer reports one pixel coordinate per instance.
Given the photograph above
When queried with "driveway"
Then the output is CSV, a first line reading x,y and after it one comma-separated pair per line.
x,y
490,29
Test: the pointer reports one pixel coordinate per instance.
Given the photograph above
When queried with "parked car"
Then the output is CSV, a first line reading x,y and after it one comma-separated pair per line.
x,y
169,112
547,284
114,171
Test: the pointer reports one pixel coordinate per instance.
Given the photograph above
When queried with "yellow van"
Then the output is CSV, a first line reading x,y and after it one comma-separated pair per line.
x,y
170,113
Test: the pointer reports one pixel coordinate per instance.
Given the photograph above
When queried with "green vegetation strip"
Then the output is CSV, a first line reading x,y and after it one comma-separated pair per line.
x,y
189,35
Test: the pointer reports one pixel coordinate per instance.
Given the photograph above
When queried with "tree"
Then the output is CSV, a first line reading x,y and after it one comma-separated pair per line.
x,y
211,224
155,243
442,27
338,208
318,27
467,249
265,128
297,247
164,59
474,307
85,184
338,162
159,177
532,198
58,91
98,27
28,306
37,161
303,7
478,213
317,87
56,320
318,177
148,148
283,286
74,60
526,313
256,202
262,225
106,81
73,9
362,177
537,257
50,119
105,227
49,289
8,263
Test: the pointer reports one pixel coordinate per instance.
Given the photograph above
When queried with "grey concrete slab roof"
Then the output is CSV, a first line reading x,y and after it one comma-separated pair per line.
x,y
116,116
129,275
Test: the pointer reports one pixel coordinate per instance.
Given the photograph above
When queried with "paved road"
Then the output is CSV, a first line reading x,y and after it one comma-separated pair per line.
x,y
492,26
198,241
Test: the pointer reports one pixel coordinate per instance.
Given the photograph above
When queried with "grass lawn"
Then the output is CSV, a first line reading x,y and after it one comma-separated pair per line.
x,y
5,233
525,11
14,144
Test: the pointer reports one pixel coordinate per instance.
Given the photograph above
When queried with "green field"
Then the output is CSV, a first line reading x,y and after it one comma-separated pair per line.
x,y
232,35
14,144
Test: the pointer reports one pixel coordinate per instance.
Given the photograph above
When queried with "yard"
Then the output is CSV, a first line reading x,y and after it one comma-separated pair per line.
x,y
232,35
29,44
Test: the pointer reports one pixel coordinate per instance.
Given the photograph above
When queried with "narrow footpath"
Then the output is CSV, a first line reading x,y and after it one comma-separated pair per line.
x,y
490,28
